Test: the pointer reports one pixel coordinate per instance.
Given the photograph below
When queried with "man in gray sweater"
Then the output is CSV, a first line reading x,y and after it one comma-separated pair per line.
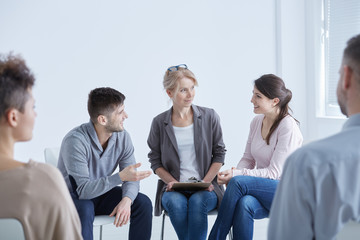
x,y
90,154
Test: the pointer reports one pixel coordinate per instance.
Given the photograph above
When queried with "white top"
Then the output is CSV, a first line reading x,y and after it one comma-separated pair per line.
x,y
267,161
320,188
185,141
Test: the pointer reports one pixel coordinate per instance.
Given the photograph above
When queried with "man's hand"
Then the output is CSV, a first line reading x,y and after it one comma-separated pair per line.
x,y
224,176
130,174
122,212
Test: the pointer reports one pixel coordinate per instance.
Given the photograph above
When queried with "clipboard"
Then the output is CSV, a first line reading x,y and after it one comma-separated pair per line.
x,y
190,186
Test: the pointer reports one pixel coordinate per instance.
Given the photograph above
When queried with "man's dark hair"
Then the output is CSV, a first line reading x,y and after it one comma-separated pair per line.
x,y
15,81
352,53
103,101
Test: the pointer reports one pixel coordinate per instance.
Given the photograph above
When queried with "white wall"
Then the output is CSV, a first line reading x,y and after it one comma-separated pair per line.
x,y
292,57
75,46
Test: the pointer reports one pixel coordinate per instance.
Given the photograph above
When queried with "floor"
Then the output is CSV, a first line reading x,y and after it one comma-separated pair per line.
x,y
112,233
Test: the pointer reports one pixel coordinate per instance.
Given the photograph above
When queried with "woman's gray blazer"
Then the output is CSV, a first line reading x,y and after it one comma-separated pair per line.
x,y
209,148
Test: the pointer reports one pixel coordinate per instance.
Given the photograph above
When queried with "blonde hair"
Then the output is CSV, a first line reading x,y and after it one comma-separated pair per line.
x,y
171,78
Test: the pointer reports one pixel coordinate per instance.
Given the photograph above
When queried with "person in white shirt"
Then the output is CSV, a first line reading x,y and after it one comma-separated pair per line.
x,y
186,141
320,188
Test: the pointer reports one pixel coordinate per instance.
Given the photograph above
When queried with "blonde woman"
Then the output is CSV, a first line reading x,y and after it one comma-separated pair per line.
x,y
186,141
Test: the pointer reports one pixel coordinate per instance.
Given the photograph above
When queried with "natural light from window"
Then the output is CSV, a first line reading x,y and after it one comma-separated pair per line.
x,y
341,21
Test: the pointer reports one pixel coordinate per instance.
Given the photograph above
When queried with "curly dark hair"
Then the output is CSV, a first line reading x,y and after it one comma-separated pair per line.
x,y
15,81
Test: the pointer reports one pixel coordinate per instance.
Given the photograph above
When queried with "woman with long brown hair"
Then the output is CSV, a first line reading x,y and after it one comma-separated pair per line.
x,y
274,134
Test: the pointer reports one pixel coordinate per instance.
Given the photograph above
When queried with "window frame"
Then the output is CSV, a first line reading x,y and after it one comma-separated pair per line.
x,y
327,94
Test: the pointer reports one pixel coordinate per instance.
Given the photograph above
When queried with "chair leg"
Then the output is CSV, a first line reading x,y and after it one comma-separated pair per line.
x,y
230,235
162,227
100,232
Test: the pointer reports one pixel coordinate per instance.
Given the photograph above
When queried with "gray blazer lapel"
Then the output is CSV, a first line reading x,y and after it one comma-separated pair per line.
x,y
170,130
198,128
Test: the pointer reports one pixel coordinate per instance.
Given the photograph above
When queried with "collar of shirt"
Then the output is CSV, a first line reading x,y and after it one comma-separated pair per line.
x,y
353,121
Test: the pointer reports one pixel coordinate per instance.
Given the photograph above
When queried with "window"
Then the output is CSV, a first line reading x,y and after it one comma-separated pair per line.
x,y
341,21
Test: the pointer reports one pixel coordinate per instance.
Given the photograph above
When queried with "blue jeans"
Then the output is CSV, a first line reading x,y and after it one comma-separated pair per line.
x,y
246,198
140,218
188,212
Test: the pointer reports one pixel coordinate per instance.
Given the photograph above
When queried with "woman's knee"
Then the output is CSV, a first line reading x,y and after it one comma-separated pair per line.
x,y
241,183
239,180
247,204
202,201
174,201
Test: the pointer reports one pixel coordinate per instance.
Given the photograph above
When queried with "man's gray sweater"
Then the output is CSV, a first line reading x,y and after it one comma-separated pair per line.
x,y
83,158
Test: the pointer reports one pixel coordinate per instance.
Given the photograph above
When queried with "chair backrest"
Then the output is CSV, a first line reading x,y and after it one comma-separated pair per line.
x,y
52,155
11,229
351,230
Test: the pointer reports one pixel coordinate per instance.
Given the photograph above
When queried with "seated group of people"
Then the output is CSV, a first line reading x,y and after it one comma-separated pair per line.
x,y
309,193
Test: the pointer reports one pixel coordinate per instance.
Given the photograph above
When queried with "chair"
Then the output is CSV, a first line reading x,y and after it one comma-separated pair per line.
x,y
51,157
212,212
351,230
11,229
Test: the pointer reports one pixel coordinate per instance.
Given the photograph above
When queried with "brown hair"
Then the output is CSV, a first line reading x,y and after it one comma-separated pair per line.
x,y
274,87
15,81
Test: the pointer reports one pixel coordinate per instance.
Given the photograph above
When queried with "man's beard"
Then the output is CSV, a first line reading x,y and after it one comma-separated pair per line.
x,y
341,98
111,127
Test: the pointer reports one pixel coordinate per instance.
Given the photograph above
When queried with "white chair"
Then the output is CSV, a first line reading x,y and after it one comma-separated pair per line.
x,y
11,229
212,212
351,230
51,157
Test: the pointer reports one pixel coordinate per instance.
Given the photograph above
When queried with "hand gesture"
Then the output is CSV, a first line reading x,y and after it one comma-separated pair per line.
x,y
130,174
122,212
224,176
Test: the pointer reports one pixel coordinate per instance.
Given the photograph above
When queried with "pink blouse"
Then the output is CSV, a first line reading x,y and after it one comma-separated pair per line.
x,y
267,161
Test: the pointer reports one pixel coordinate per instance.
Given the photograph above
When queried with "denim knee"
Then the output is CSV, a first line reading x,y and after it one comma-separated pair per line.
x,y
198,201
240,183
246,203
235,182
174,201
